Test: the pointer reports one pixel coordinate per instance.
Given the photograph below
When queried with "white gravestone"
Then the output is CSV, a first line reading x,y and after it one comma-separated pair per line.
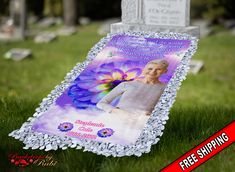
x,y
156,16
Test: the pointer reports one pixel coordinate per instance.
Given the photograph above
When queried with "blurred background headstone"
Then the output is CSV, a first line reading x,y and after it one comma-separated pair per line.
x,y
105,26
233,31
14,28
66,31
195,66
47,22
229,24
204,25
18,54
45,37
84,21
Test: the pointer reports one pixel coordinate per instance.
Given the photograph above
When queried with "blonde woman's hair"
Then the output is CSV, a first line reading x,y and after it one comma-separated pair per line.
x,y
163,63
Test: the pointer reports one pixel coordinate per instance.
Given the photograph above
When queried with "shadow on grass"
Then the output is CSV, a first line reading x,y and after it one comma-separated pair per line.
x,y
187,127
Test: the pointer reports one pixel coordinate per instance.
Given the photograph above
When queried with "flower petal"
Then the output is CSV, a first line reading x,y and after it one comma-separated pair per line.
x,y
99,88
85,98
105,81
108,66
117,74
75,91
129,65
133,73
96,98
86,77
87,84
104,75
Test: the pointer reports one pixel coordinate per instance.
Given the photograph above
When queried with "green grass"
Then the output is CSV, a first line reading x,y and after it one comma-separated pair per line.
x,y
204,104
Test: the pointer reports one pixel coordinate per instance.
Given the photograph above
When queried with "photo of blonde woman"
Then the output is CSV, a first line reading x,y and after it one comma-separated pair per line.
x,y
138,97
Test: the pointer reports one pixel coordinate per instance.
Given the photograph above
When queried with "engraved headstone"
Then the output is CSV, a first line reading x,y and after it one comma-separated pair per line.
x,y
156,16
166,12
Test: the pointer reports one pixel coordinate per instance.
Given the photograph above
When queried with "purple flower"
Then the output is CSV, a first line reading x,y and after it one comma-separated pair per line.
x,y
105,132
93,84
66,126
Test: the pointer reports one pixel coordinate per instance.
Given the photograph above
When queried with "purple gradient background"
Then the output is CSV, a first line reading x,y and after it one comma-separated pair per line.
x,y
135,52
137,49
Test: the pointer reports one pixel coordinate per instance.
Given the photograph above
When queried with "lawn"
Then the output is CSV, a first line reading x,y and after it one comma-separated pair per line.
x,y
204,104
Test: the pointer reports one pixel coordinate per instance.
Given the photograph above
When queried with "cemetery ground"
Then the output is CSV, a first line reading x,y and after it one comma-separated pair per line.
x,y
204,104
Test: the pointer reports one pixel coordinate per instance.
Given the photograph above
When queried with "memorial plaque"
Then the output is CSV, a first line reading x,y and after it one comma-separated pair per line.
x,y
166,12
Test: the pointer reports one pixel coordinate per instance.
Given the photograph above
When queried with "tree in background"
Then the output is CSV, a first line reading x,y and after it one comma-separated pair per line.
x,y
70,9
70,12
100,9
213,10
230,8
53,8
198,7
4,7
36,8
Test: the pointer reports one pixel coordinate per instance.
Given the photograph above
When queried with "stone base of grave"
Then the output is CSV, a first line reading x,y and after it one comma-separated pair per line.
x,y
121,27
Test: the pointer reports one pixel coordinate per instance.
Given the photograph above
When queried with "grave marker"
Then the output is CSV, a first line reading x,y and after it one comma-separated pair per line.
x,y
18,54
156,16
45,37
166,12
66,31
195,66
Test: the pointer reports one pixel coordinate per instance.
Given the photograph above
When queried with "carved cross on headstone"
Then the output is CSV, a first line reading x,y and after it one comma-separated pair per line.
x,y
156,15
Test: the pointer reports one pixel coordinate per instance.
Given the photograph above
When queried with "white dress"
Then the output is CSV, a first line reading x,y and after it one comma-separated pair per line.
x,y
137,99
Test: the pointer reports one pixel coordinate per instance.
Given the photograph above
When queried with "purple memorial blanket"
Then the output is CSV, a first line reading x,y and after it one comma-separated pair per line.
x,y
117,101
